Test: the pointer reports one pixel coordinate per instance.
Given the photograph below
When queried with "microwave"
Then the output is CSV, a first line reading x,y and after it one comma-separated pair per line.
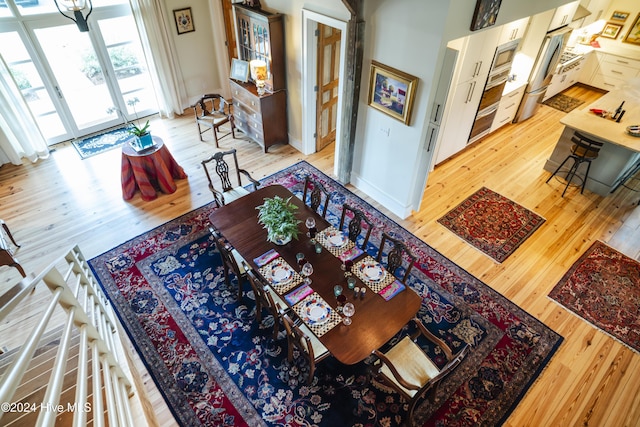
x,y
504,56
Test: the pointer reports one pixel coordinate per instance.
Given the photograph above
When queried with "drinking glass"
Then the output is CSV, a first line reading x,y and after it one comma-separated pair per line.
x,y
300,259
307,270
348,310
351,282
337,290
310,223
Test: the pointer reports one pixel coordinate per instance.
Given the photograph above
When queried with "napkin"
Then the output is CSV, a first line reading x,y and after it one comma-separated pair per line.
x,y
267,257
351,254
296,296
392,290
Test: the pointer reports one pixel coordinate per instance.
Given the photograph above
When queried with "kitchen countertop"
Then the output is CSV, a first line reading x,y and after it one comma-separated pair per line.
x,y
604,128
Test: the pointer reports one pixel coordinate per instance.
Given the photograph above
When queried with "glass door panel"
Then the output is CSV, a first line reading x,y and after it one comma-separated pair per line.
x,y
129,67
79,76
33,90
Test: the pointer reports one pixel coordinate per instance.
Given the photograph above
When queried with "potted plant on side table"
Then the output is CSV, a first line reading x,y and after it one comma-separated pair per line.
x,y
143,136
277,215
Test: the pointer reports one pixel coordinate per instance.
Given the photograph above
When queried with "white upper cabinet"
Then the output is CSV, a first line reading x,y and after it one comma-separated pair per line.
x,y
478,51
513,31
563,15
597,9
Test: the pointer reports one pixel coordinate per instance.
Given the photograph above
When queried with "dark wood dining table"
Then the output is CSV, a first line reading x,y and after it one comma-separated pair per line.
x,y
375,320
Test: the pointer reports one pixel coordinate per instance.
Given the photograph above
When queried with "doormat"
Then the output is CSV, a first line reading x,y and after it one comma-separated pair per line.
x,y
216,365
492,223
563,102
603,288
98,144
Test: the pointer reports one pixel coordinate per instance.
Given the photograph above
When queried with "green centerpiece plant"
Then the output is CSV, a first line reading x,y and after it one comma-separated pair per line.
x,y
277,215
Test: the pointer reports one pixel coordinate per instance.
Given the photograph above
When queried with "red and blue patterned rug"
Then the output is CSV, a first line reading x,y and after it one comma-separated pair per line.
x,y
492,223
216,366
603,288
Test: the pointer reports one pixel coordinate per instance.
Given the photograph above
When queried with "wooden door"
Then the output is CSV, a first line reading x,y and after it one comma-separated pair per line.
x,y
327,93
229,29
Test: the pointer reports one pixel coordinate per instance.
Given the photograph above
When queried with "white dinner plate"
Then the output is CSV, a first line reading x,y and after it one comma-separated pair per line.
x,y
316,312
336,239
372,271
280,272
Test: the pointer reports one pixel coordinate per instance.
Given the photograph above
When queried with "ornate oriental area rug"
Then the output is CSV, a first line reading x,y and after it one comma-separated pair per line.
x,y
215,365
492,223
563,103
603,287
100,143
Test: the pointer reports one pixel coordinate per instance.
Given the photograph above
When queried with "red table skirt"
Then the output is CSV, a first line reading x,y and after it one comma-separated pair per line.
x,y
148,172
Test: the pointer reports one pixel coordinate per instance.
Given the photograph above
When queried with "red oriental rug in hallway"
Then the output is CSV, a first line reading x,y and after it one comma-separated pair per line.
x,y
492,223
603,288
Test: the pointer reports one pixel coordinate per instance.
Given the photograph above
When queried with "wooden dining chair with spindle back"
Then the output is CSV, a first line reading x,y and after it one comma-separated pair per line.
x,y
354,225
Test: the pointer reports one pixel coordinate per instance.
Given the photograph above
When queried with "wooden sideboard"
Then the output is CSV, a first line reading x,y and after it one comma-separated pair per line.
x,y
262,118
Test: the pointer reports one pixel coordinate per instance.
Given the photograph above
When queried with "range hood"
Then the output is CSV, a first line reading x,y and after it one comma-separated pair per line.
x,y
582,12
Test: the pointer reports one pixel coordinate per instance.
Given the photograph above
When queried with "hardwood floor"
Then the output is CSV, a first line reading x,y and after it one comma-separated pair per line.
x,y
592,380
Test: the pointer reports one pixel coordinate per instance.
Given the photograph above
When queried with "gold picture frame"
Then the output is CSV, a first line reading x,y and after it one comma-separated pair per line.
x,y
392,91
619,16
611,30
633,36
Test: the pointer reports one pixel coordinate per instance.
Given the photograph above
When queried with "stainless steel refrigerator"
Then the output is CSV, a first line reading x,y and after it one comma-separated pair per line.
x,y
543,70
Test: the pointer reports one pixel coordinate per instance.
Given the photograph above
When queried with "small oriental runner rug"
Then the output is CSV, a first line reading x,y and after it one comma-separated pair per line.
x,y
98,144
492,223
563,102
603,288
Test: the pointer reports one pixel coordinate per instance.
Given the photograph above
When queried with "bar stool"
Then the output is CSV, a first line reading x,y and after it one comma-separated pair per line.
x,y
584,150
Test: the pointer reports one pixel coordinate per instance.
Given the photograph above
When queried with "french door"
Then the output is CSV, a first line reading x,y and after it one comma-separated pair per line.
x,y
77,83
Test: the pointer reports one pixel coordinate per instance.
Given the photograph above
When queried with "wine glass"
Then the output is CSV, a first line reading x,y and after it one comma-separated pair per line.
x,y
310,223
307,270
300,258
348,310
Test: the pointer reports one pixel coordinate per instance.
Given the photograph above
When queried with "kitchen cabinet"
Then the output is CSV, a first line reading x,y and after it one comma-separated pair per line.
x,y
472,69
508,107
513,31
613,71
597,9
263,118
563,15
563,80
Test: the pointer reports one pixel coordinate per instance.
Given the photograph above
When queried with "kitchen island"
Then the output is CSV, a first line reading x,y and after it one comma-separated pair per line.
x,y
620,154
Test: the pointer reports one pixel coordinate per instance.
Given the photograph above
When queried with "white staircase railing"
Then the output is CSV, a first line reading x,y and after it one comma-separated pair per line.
x,y
102,389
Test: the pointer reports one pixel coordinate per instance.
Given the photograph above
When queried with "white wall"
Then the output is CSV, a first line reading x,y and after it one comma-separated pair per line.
x,y
196,51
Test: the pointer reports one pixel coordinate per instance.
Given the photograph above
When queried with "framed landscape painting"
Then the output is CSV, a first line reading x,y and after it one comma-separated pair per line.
x,y
611,31
633,36
392,91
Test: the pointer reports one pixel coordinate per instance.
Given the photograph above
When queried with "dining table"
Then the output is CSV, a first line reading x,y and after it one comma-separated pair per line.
x,y
380,313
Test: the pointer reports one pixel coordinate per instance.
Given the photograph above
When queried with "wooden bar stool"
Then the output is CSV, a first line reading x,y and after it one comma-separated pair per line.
x,y
583,150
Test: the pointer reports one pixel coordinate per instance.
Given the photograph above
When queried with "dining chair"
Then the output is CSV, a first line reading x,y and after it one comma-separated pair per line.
x,y
232,261
355,224
315,191
7,254
396,255
300,336
265,298
407,368
211,112
220,166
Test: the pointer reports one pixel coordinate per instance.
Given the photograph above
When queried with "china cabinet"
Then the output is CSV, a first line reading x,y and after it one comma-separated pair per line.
x,y
260,36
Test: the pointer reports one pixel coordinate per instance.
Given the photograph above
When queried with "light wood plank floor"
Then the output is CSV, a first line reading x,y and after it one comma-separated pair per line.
x,y
592,380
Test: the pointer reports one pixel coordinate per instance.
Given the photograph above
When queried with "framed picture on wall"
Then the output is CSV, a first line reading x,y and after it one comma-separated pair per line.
x,y
239,70
633,36
392,91
485,14
611,31
184,20
619,16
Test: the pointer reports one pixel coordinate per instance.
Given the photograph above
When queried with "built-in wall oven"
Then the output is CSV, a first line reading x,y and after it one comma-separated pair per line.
x,y
498,77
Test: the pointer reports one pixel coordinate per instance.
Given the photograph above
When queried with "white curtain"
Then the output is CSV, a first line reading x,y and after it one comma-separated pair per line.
x,y
159,50
19,133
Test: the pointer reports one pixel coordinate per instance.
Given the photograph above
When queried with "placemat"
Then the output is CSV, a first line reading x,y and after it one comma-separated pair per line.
x,y
322,238
281,288
374,286
322,328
